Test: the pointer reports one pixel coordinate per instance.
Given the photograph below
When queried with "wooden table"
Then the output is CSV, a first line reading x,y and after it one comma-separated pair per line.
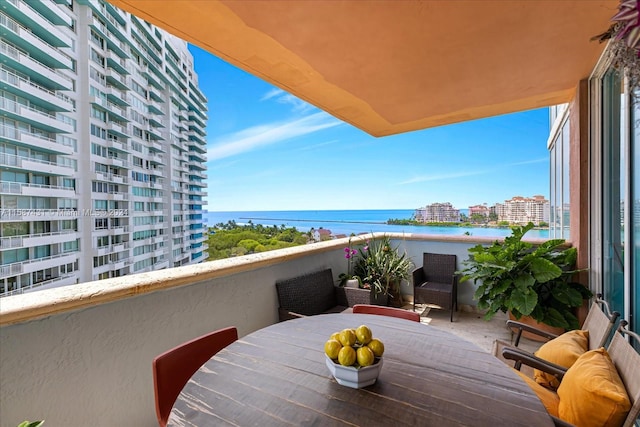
x,y
277,376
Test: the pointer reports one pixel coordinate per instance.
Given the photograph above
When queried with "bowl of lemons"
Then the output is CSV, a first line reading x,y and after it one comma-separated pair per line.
x,y
354,357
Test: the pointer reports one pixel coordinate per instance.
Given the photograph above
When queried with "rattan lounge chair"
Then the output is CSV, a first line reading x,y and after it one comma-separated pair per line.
x,y
600,322
436,282
624,357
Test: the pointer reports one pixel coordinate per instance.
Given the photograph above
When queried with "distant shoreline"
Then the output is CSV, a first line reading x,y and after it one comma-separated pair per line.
x,y
391,222
316,220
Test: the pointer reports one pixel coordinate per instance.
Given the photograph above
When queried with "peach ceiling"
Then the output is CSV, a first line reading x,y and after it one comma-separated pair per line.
x,y
396,66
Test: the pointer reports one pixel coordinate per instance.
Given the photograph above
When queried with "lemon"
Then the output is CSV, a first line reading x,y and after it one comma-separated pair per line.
x,y
363,334
335,336
376,346
347,356
332,347
347,337
365,356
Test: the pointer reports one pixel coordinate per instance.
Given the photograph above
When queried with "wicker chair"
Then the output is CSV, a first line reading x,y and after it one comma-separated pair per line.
x,y
308,295
436,282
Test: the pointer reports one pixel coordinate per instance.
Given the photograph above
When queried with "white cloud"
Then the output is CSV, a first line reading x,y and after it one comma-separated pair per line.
x,y
440,177
528,162
257,137
282,97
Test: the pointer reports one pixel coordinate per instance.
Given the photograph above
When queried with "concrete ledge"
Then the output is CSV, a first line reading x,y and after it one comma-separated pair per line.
x,y
38,304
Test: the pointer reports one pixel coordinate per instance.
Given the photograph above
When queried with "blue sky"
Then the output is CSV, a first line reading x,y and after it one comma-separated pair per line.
x,y
268,150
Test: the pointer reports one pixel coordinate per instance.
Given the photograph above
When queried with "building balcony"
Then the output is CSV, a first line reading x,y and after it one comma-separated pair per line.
x,y
12,215
32,265
31,240
114,78
38,25
125,324
35,93
155,107
55,282
34,165
43,143
36,70
52,13
24,189
37,118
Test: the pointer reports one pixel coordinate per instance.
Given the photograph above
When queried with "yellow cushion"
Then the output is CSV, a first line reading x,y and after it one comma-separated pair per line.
x,y
549,399
564,351
592,393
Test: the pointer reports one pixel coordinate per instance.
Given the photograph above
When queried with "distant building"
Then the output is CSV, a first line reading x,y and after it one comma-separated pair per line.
x,y
321,234
438,212
521,210
479,209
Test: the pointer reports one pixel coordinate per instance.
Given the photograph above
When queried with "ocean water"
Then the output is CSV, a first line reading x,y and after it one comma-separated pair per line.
x,y
354,221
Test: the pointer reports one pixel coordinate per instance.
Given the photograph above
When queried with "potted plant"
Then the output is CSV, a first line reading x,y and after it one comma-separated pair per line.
x,y
349,279
527,280
384,268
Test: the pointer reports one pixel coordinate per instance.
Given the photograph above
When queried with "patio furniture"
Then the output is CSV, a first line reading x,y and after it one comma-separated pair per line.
x,y
599,323
386,311
436,282
172,369
278,376
308,295
590,393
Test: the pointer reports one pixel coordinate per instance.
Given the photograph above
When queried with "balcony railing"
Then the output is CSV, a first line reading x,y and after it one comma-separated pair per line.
x,y
99,338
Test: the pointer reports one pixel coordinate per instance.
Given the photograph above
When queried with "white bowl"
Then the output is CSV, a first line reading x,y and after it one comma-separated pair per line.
x,y
353,377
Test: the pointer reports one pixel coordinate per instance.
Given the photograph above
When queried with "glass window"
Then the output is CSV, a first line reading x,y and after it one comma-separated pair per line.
x,y
613,192
635,189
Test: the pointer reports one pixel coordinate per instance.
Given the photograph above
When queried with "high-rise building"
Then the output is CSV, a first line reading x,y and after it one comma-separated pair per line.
x,y
521,210
437,212
102,146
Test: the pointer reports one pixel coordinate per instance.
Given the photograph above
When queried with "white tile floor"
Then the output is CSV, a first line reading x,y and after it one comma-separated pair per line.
x,y
472,327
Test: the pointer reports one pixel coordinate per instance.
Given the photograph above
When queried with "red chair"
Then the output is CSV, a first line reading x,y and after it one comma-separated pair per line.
x,y
386,311
173,368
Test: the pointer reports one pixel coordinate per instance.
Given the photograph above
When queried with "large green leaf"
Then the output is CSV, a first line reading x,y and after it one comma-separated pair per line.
x,y
554,318
524,282
567,295
524,302
544,270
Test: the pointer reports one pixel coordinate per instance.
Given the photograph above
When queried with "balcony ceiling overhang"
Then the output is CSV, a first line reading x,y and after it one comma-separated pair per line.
x,y
388,67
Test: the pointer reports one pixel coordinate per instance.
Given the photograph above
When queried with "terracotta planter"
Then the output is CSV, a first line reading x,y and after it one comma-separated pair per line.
x,y
531,322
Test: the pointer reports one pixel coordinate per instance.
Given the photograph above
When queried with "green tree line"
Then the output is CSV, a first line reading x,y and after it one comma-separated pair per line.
x,y
230,239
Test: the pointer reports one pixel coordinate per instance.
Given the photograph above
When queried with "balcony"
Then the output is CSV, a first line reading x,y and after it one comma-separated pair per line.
x,y
37,118
10,215
35,93
40,26
31,240
125,324
33,265
25,163
35,69
24,189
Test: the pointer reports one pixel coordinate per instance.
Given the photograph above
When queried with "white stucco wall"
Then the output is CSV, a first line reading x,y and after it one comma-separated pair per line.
x,y
90,362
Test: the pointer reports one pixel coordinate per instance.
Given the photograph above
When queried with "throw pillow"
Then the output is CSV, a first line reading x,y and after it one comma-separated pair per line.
x,y
548,398
564,351
592,393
